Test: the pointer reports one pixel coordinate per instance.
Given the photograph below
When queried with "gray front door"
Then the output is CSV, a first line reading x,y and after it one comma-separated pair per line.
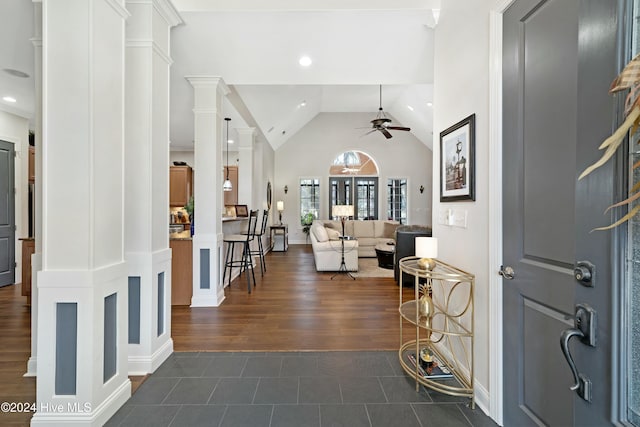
x,y
559,58
7,216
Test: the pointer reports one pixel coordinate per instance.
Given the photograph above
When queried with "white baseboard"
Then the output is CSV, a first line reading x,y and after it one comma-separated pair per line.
x,y
32,368
85,416
143,365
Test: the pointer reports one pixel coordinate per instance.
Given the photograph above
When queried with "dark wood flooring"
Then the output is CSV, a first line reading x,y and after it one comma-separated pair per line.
x,y
292,308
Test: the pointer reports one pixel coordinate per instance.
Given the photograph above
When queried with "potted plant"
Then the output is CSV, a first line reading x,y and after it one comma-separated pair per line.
x,y
306,220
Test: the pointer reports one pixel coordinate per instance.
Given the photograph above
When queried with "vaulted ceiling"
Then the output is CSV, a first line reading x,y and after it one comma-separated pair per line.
x,y
255,46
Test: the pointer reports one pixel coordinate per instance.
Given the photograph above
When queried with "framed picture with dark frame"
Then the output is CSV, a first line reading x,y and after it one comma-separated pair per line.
x,y
242,211
457,161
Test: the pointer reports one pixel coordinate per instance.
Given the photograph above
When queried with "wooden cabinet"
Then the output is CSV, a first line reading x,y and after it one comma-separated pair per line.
x,y
32,164
231,197
181,271
28,248
180,185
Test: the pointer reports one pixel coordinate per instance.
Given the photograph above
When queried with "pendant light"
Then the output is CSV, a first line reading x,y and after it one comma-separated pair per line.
x,y
227,186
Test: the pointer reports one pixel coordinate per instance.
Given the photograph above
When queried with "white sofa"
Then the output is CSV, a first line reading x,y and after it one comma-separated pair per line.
x,y
324,235
369,233
327,251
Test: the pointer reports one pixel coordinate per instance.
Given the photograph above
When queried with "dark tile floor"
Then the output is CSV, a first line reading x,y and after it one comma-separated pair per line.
x,y
290,389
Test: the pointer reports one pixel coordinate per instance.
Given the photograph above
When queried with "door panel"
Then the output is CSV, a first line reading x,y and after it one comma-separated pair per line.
x,y
548,67
7,220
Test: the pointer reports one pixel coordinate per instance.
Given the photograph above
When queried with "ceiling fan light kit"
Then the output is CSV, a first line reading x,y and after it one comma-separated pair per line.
x,y
381,122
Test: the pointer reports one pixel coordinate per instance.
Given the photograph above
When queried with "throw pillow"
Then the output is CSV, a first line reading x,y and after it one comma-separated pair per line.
x,y
333,234
390,230
320,233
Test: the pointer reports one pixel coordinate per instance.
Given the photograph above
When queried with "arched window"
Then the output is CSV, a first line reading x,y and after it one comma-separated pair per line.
x,y
353,180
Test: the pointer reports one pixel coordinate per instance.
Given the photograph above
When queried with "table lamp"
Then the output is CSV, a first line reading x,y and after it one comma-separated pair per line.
x,y
427,250
280,208
343,212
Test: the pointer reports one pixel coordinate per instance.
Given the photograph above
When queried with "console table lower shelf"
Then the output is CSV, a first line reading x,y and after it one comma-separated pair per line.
x,y
456,385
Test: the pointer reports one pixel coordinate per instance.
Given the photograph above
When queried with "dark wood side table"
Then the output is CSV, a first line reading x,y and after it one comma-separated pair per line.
x,y
279,237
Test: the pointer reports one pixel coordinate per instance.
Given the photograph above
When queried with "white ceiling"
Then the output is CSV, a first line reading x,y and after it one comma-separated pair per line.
x,y
254,45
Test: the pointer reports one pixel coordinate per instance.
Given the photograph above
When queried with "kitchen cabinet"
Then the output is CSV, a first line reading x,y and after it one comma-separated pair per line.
x,y
28,248
180,185
181,271
231,197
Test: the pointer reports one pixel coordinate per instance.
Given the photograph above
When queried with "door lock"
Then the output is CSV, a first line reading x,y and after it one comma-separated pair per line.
x,y
585,273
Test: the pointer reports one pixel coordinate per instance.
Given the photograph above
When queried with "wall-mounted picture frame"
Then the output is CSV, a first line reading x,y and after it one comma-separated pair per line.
x,y
457,161
242,211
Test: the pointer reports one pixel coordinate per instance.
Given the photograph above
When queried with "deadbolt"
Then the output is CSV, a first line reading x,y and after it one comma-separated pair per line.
x,y
585,272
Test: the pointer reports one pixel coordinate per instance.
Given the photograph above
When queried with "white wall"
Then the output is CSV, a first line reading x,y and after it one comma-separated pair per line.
x,y
310,152
461,87
16,130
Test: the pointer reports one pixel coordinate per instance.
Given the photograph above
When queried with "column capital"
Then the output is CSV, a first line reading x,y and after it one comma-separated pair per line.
x,y
246,131
165,8
208,82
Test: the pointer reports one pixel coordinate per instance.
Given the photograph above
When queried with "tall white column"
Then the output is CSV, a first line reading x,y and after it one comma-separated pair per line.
x,y
36,258
146,235
246,166
209,93
82,287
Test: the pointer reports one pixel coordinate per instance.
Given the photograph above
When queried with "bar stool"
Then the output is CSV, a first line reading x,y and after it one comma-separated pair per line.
x,y
244,240
260,250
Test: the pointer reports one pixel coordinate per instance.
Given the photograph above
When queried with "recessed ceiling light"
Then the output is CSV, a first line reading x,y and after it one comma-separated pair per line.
x,y
302,104
16,73
410,107
9,99
305,61
230,141
429,104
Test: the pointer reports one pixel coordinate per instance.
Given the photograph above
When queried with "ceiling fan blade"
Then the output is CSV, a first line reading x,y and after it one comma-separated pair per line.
x,y
398,128
371,131
385,133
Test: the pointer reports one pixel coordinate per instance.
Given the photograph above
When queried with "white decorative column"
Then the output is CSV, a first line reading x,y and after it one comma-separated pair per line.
x,y
82,287
209,93
36,258
146,237
246,167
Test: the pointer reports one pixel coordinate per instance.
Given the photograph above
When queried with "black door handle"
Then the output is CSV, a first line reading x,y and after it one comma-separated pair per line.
x,y
584,320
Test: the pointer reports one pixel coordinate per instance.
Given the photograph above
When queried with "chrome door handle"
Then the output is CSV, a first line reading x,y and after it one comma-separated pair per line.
x,y
585,318
507,272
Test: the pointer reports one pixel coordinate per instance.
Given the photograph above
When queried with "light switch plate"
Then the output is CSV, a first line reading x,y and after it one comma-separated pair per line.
x,y
460,218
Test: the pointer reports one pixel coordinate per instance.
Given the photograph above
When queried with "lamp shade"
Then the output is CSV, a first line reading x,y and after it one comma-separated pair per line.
x,y
280,205
427,247
342,210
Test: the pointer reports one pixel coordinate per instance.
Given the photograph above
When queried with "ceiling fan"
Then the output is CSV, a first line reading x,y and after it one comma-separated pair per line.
x,y
381,122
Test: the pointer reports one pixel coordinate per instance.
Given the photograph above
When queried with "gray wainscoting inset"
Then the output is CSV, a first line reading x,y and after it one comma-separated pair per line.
x,y
205,269
110,337
66,347
161,303
134,310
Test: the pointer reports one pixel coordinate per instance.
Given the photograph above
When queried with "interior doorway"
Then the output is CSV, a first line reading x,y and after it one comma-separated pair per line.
x,y
7,214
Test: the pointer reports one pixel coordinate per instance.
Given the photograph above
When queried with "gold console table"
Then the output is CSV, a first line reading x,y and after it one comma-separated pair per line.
x,y
448,333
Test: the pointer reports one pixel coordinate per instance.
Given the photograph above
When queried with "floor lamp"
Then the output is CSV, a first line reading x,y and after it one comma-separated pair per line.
x,y
343,212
